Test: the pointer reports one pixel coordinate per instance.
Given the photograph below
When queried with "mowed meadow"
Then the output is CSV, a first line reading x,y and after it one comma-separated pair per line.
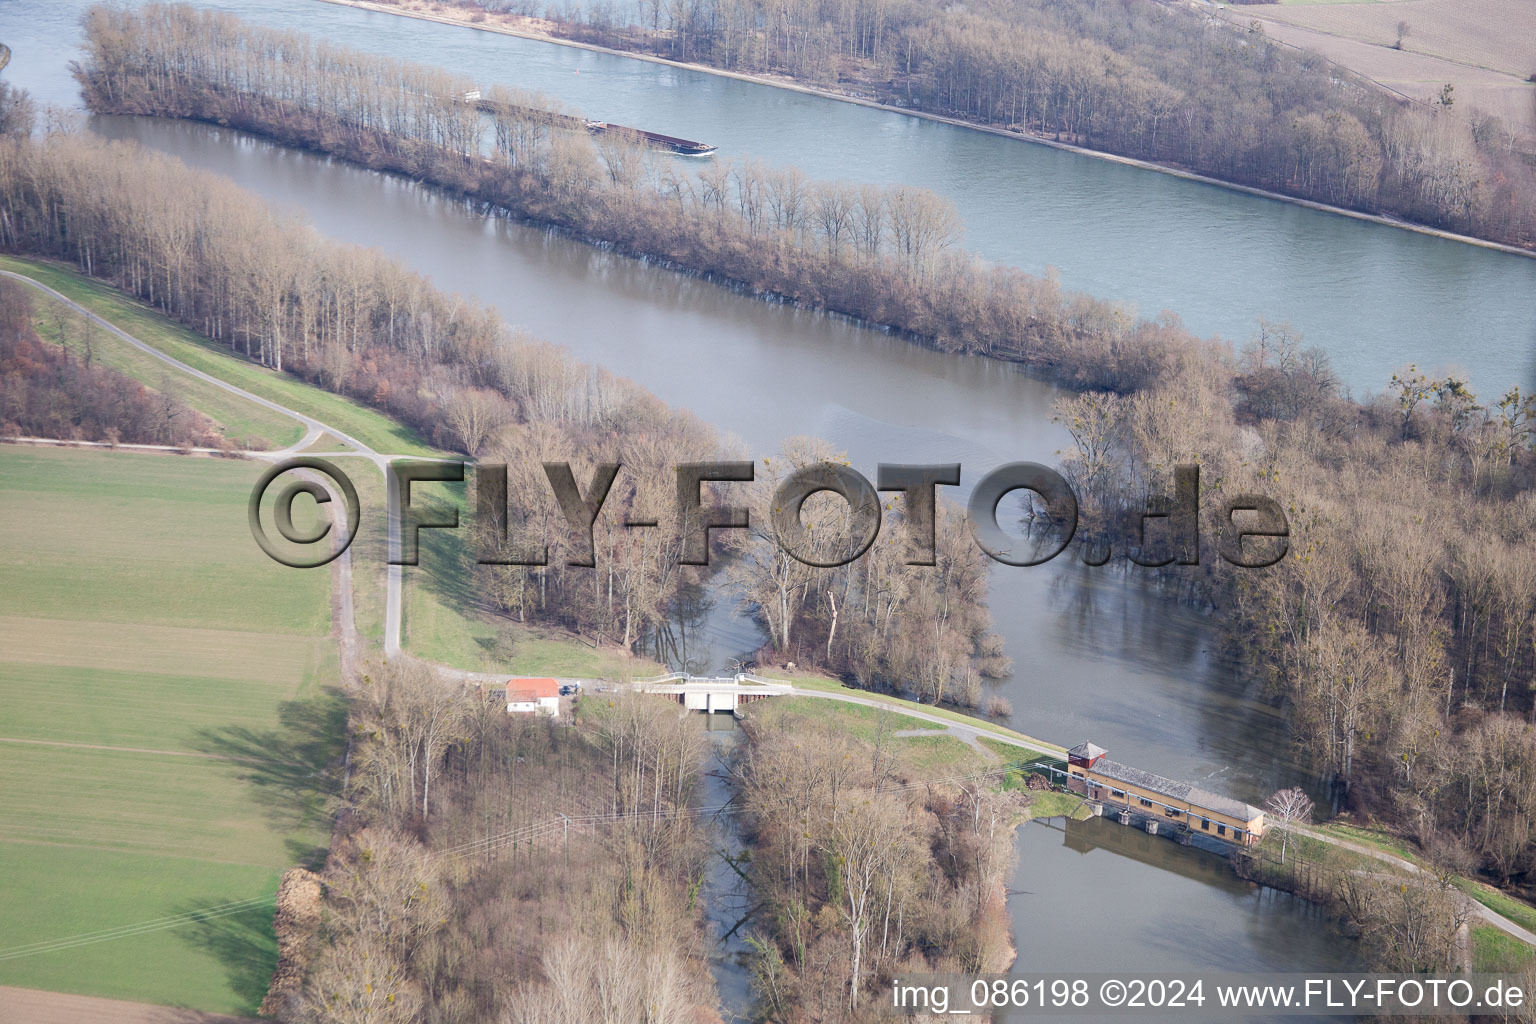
x,y
168,715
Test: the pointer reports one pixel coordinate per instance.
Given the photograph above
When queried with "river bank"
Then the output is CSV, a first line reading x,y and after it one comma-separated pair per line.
x,y
529,28
1375,299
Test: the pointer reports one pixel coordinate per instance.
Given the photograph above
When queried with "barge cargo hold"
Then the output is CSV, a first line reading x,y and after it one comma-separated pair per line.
x,y
682,147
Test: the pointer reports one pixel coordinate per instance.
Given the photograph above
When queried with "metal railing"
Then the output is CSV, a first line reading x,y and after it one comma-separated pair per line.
x,y
740,678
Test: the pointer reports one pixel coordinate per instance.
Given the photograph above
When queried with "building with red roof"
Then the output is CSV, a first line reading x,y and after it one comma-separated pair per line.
x,y
533,697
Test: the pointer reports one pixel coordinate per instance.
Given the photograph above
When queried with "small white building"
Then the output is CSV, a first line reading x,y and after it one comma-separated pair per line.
x,y
533,697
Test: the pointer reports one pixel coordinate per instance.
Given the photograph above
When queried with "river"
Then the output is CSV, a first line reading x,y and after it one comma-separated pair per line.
x,y
1098,654
1374,297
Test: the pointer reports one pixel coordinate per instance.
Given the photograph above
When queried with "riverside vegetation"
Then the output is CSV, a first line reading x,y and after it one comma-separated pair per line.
x,y
414,914
1153,81
355,323
1399,629
61,391
513,869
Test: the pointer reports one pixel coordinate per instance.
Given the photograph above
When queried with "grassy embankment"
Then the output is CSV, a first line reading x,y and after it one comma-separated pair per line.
x,y
443,617
1493,949
1386,842
933,756
368,426
817,682
167,715
1497,900
246,424
1497,952
446,614
167,686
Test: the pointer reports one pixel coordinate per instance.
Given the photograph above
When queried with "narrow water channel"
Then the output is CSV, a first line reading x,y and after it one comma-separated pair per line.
x,y
1097,654
727,896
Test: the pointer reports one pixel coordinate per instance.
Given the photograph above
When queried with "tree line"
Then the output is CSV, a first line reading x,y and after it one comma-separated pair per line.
x,y
353,322
448,896
61,390
865,872
488,867
1152,81
1398,629
887,256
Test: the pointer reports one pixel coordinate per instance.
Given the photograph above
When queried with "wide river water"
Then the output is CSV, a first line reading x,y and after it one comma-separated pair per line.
x,y
1375,297
1098,654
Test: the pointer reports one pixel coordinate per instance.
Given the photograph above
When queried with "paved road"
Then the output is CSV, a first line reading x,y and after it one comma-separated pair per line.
x,y
1487,914
313,430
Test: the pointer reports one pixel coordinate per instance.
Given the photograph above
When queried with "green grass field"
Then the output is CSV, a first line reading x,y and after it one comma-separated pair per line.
x,y
832,686
372,428
246,424
1498,952
859,720
1053,804
1375,838
168,714
444,616
934,756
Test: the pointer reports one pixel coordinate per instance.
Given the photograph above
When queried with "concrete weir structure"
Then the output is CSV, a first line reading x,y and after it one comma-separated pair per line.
x,y
713,693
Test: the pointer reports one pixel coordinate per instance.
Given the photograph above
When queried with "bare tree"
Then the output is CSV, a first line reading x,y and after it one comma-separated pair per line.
x,y
473,413
1289,808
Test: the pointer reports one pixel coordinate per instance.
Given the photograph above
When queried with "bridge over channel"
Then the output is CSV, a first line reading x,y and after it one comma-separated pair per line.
x,y
713,693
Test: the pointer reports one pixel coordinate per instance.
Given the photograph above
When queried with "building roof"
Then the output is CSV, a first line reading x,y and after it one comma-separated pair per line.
x,y
1184,791
531,689
1224,804
1087,751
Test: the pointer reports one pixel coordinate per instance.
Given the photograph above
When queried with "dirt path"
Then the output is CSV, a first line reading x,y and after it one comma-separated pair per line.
x,y
27,1006
314,430
126,750
31,1006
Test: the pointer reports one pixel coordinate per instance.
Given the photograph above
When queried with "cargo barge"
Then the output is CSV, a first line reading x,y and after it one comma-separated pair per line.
x,y
683,147
671,143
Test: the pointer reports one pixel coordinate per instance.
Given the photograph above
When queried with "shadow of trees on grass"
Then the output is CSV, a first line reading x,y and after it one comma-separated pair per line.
x,y
243,942
292,769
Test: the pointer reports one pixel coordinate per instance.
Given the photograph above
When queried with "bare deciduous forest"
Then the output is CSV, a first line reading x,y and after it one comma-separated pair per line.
x,y
885,255
450,896
1148,80
1399,631
61,390
496,868
353,322
866,873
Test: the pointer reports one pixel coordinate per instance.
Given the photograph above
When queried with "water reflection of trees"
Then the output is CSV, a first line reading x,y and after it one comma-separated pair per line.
x,y
681,641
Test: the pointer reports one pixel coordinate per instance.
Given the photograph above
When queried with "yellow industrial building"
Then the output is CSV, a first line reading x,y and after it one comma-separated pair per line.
x,y
1091,773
